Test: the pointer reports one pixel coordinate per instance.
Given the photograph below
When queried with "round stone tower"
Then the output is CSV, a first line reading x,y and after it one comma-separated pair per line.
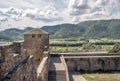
x,y
36,42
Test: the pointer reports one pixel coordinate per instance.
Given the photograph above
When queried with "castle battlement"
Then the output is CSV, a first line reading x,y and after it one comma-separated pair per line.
x,y
31,61
18,64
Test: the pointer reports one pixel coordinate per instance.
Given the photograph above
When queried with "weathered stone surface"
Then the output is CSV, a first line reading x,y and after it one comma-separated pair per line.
x,y
18,63
91,64
26,72
14,68
36,42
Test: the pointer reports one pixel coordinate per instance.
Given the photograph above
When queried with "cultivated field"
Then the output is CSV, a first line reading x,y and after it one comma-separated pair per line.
x,y
82,45
107,76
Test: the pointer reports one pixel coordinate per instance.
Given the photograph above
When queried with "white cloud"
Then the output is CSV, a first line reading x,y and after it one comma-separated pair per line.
x,y
94,9
77,7
48,12
3,19
75,19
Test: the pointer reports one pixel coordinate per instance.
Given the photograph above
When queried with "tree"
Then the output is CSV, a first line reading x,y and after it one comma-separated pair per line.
x,y
88,46
115,49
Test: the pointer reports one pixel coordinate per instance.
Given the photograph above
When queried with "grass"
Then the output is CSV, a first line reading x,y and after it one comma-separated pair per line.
x,y
65,49
84,48
65,40
83,40
79,48
68,39
102,76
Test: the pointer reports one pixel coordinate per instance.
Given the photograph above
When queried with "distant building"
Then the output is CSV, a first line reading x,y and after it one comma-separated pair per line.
x,y
36,42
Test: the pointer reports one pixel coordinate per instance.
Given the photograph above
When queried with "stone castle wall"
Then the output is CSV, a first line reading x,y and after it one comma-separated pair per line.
x,y
17,65
92,64
42,71
36,44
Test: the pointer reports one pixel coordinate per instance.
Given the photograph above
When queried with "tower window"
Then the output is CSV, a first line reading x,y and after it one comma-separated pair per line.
x,y
39,36
33,36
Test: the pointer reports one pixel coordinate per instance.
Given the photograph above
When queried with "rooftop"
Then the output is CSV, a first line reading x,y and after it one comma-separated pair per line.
x,y
36,31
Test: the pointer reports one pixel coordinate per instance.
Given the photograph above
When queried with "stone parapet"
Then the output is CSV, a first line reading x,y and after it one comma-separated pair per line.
x,y
66,68
42,70
92,64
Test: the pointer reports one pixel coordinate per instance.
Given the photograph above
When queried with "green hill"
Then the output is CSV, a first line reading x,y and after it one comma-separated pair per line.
x,y
13,34
87,29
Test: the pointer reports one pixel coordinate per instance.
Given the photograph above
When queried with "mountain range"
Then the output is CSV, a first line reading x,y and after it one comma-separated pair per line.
x,y
86,29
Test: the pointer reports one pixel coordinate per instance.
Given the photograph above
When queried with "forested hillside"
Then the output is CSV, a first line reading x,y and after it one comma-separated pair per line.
x,y
87,29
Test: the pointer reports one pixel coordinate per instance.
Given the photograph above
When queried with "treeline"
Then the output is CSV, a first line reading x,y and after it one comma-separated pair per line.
x,y
80,44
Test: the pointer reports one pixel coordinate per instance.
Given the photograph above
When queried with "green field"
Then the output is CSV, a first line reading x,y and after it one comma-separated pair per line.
x,y
103,76
80,48
83,40
91,45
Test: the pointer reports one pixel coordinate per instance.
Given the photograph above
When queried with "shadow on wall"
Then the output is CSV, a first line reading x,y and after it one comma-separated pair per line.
x,y
93,64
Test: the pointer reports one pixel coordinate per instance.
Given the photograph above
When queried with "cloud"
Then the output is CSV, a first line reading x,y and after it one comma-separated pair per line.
x,y
3,19
49,13
75,19
78,7
93,9
11,13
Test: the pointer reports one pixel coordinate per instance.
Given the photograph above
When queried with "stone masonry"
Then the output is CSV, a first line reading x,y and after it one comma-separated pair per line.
x,y
36,42
30,60
92,64
18,64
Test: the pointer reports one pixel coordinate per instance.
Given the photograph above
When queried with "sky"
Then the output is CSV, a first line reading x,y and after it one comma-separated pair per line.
x,y
38,13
